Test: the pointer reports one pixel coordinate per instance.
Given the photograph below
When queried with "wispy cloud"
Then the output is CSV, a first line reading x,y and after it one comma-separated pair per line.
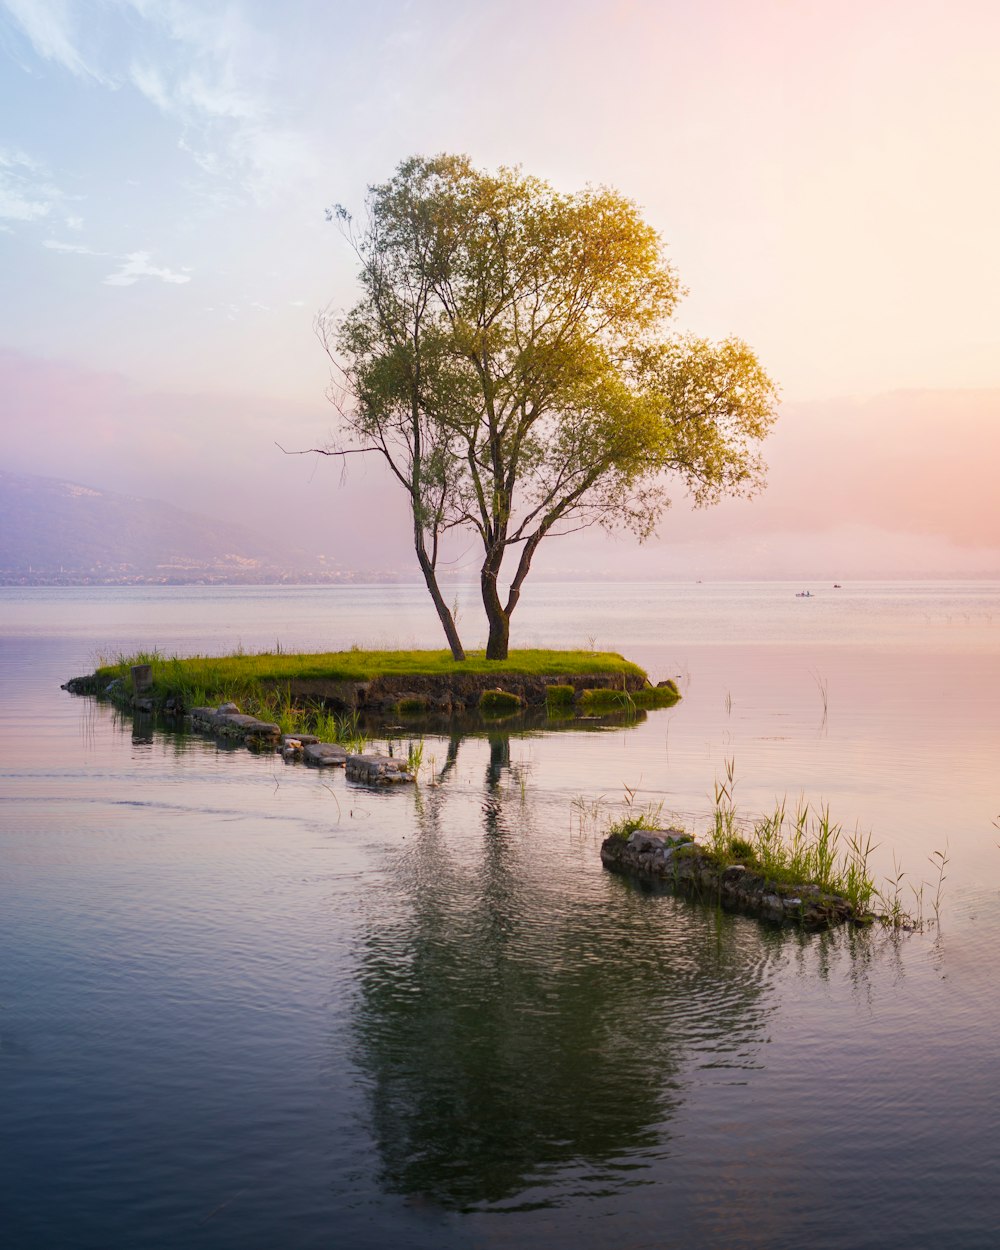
x,y
79,249
206,67
131,267
25,192
210,75
48,25
136,265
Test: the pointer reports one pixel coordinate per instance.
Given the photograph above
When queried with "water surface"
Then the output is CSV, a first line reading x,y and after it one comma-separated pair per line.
x,y
248,1004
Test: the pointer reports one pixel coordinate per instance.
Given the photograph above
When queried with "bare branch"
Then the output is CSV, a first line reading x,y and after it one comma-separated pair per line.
x,y
328,451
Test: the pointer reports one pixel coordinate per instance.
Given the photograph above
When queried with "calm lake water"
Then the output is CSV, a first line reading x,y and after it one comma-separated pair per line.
x,y
247,1004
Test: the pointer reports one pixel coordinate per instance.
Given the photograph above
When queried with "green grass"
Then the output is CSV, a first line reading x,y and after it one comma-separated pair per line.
x,y
269,667
261,684
595,702
560,696
329,727
806,848
628,825
797,849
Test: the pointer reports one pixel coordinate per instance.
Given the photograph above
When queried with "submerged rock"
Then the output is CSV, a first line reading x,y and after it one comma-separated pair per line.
x,y
377,769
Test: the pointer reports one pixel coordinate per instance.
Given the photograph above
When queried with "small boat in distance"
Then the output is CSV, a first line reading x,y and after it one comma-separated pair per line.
x,y
803,594
837,586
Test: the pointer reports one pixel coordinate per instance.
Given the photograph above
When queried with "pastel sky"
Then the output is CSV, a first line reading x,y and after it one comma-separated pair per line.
x,y
826,177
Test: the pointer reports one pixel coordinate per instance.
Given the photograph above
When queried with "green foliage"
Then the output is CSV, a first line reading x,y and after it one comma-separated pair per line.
x,y
411,706
499,703
646,817
415,756
344,728
742,850
629,824
656,696
512,359
595,702
562,697
808,848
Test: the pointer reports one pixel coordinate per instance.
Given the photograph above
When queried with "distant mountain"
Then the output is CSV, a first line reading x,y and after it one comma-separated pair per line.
x,y
58,531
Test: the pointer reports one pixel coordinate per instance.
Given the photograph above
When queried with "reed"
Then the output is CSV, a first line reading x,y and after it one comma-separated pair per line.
x,y
823,686
588,813
798,848
809,847
415,756
645,816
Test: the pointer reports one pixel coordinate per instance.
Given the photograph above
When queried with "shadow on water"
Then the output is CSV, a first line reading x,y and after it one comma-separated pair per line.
x,y
523,1027
474,724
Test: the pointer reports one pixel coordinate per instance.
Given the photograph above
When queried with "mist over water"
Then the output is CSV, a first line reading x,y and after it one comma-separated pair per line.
x,y
245,1004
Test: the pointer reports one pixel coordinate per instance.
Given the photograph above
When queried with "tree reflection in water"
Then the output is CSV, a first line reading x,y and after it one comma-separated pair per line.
x,y
525,1019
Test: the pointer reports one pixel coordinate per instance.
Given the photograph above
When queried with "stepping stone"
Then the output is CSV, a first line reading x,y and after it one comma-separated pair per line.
x,y
324,753
377,769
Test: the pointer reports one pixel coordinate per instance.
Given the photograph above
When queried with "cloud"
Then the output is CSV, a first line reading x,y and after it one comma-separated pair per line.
x,y
74,223
207,68
131,267
78,249
201,75
25,192
136,265
49,29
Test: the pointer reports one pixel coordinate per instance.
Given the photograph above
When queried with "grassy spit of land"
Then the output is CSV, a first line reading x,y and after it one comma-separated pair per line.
x,y
269,667
303,692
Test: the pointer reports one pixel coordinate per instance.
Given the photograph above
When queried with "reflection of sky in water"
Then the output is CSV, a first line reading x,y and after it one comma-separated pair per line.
x,y
247,1004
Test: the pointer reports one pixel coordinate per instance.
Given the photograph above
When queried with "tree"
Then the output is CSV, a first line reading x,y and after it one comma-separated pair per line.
x,y
512,361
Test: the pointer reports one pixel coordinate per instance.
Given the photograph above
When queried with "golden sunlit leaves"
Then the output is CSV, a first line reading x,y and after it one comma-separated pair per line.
x,y
512,358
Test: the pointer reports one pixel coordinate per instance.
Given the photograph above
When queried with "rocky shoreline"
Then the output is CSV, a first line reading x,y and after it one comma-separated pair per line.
x,y
672,857
227,721
440,693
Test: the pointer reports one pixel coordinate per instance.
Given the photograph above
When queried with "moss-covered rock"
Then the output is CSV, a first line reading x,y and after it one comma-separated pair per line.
x,y
500,702
561,697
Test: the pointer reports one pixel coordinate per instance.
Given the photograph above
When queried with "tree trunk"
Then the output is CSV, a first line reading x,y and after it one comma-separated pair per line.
x,y
443,611
497,614
499,620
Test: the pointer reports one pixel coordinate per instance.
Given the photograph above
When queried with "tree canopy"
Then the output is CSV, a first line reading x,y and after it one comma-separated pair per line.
x,y
512,359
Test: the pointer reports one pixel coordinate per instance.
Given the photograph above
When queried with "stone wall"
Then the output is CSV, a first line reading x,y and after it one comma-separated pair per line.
x,y
445,692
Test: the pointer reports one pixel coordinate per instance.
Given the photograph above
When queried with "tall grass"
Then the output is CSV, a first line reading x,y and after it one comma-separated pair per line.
x,y
212,682
344,728
807,847
798,848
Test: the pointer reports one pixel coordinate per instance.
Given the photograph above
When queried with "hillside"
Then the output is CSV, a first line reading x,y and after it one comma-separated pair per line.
x,y
54,531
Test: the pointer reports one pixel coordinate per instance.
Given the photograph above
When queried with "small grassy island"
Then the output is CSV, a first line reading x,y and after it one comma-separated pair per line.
x,y
734,877
324,708
303,692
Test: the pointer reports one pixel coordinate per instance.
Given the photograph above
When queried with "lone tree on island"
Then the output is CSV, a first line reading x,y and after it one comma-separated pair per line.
x,y
511,359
